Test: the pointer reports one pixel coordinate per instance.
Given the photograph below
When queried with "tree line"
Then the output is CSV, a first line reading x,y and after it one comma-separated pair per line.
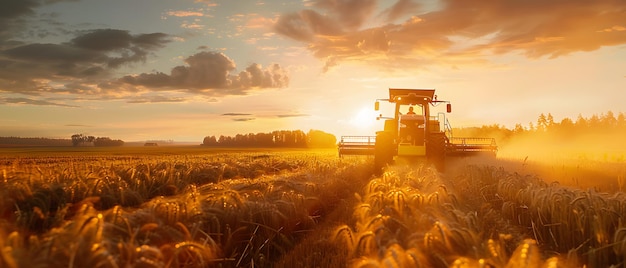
x,y
76,140
81,139
20,141
546,125
279,138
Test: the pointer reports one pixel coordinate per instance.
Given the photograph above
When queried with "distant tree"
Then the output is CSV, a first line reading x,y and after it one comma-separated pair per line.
x,y
320,139
566,126
278,138
519,129
581,122
299,139
12,141
608,120
209,141
542,123
594,121
549,121
78,139
264,139
621,121
106,141
531,127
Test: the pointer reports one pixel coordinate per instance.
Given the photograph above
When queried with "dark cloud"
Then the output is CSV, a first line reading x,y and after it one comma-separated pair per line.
x,y
38,53
210,73
15,8
240,117
113,40
29,101
243,119
132,48
150,41
235,114
103,40
88,62
13,14
457,30
87,59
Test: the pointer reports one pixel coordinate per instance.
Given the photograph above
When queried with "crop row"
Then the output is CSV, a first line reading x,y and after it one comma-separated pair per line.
x,y
228,210
476,216
286,210
580,226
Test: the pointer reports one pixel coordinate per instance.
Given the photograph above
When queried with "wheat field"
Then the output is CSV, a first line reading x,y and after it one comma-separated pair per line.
x,y
190,207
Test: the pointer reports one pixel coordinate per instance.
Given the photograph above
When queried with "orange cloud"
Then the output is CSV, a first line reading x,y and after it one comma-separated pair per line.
x,y
182,13
616,28
546,28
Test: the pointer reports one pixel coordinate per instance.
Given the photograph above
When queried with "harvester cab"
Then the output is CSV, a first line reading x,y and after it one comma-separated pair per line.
x,y
415,130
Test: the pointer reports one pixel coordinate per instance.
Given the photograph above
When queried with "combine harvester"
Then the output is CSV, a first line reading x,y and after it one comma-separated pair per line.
x,y
415,132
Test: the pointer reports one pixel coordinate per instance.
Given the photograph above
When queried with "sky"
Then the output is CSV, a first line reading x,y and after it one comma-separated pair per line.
x,y
185,69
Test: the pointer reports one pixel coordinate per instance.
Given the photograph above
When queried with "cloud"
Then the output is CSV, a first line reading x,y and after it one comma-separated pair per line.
x,y
243,119
209,3
12,14
89,62
14,9
29,101
156,99
211,73
335,18
351,14
85,64
190,18
89,57
240,117
292,115
114,40
453,31
235,114
401,8
185,13
306,25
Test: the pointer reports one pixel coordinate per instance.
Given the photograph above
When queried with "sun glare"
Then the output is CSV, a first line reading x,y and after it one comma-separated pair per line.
x,y
364,118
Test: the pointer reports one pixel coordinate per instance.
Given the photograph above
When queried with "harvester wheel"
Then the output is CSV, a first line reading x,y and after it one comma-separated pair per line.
x,y
383,150
436,150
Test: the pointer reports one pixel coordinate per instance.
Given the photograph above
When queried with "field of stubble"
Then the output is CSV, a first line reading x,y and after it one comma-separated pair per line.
x,y
197,207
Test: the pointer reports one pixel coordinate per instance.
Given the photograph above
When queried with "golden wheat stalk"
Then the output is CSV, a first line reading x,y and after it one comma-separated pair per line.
x,y
344,236
366,244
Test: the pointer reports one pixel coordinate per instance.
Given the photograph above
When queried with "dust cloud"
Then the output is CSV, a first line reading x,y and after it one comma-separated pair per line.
x,y
583,160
